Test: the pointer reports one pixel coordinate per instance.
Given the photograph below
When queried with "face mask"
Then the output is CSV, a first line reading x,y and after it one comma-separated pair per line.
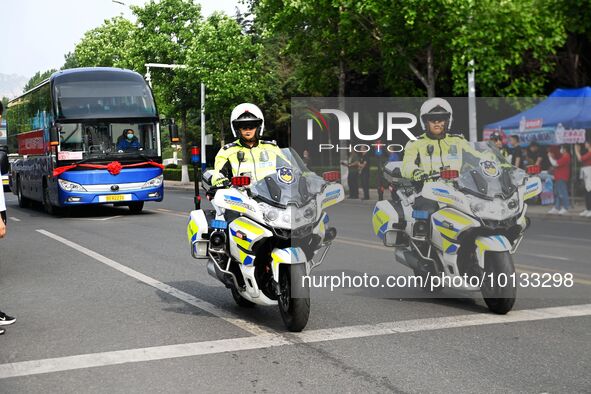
x,y
129,136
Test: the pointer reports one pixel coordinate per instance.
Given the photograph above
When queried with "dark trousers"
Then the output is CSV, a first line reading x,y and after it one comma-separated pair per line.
x,y
365,184
587,200
353,180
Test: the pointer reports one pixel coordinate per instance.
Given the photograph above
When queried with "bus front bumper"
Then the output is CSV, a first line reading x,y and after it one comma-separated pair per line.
x,y
116,197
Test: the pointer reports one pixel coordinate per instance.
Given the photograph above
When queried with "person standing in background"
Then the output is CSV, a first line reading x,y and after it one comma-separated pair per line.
x,y
515,150
353,176
561,177
364,174
585,159
4,318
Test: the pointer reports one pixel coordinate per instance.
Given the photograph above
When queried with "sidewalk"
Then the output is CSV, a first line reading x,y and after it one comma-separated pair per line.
x,y
535,211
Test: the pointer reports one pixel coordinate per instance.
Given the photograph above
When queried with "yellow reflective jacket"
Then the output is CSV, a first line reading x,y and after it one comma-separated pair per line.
x,y
445,152
259,161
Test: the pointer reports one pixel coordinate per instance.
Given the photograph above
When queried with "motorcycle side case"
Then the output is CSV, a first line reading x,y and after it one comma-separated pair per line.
x,y
243,236
388,222
196,227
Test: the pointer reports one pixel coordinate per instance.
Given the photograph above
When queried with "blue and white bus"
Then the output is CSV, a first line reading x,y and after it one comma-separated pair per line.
x,y
70,133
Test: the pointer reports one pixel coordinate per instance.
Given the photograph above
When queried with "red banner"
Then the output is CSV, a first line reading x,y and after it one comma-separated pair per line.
x,y
113,167
31,143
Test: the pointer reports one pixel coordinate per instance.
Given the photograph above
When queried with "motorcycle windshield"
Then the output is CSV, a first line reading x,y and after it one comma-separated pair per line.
x,y
291,182
486,173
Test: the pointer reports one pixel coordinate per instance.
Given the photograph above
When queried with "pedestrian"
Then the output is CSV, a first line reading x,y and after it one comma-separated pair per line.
x,y
515,151
4,318
585,158
364,174
353,176
306,157
561,166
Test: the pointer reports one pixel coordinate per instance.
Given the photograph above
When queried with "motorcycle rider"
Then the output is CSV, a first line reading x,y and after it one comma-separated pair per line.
x,y
436,148
258,156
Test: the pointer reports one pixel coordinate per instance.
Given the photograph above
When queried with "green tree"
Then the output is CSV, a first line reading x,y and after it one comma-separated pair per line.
x,y
109,45
230,65
36,79
164,33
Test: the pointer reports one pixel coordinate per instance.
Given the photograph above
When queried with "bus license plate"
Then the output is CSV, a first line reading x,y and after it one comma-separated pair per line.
x,y
115,198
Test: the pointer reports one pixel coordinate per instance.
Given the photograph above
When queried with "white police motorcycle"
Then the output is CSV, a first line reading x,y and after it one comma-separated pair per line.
x,y
263,238
465,224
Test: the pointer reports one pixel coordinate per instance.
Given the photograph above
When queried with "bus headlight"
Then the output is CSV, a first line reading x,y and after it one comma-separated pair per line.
x,y
154,182
70,186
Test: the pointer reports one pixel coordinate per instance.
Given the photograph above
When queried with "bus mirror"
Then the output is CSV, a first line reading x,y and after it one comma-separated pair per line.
x,y
173,130
54,134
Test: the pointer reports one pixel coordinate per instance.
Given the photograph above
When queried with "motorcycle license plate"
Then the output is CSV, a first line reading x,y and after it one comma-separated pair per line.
x,y
115,198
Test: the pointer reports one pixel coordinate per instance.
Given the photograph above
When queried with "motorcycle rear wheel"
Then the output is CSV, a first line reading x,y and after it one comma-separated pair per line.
x,y
294,303
499,299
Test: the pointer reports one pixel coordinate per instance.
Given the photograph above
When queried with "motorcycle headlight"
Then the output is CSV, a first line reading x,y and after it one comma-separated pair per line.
x,y
154,182
70,186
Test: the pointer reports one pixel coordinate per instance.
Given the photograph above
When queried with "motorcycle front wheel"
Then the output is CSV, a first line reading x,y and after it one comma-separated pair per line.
x,y
498,289
241,301
294,298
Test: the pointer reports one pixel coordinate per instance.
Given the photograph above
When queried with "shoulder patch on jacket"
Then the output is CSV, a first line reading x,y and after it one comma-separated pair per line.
x,y
268,142
228,146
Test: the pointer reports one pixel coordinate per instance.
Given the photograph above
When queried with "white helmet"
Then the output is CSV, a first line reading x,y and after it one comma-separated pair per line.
x,y
247,113
436,108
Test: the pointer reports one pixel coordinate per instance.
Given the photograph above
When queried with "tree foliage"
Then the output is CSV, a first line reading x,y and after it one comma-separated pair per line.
x,y
36,79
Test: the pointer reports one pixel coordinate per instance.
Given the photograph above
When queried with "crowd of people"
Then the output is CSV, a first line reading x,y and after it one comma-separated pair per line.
x,y
556,163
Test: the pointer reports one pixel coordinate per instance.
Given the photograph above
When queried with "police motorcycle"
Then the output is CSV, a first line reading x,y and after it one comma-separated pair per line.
x,y
462,224
264,237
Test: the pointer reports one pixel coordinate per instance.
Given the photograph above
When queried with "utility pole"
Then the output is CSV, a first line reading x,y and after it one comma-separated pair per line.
x,y
472,103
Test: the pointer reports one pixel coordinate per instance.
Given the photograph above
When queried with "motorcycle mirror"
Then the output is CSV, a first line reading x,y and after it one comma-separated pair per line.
x,y
331,176
449,174
533,170
430,149
240,156
240,181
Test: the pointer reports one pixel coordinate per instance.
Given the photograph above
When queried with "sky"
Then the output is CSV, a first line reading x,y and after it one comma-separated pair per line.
x,y
38,33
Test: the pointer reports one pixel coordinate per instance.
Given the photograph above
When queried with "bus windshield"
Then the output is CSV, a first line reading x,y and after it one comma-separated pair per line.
x,y
101,96
100,140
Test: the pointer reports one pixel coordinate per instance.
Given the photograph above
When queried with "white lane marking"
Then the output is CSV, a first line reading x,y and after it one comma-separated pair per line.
x,y
166,212
545,256
34,367
181,295
583,240
107,218
13,218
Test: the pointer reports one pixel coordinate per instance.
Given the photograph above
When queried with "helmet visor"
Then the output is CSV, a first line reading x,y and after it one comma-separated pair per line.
x,y
436,117
247,124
